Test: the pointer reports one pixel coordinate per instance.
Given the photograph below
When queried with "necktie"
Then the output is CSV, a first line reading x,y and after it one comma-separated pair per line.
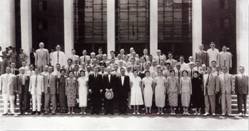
x,y
58,55
35,81
207,82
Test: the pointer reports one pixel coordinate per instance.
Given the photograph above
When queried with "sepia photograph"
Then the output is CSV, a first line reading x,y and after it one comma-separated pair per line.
x,y
124,65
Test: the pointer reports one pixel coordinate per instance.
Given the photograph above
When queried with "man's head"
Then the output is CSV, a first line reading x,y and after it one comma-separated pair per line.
x,y
58,48
241,69
224,48
8,70
50,69
224,69
41,45
212,45
122,71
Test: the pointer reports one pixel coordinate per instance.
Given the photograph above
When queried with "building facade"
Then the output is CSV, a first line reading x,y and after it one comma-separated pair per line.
x,y
179,26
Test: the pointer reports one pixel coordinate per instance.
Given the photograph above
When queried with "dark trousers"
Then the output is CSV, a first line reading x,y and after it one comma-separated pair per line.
x,y
43,101
108,106
179,108
62,102
24,100
96,103
122,105
242,99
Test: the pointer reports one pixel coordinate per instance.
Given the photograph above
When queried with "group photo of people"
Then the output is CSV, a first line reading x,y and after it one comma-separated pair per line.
x,y
121,82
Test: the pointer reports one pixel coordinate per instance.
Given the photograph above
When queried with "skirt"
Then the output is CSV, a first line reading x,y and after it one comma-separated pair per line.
x,y
185,99
173,99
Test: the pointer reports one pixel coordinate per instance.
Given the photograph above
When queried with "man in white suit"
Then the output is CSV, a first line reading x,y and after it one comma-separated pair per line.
x,y
8,88
58,57
225,58
36,87
42,56
213,53
227,89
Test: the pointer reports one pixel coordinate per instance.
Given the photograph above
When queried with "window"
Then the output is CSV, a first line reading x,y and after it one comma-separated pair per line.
x,y
132,20
90,24
174,20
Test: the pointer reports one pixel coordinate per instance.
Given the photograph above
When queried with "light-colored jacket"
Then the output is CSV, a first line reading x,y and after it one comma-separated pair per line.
x,y
8,84
211,84
226,85
39,88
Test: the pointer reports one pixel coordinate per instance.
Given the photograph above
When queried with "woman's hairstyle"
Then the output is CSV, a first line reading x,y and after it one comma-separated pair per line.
x,y
184,71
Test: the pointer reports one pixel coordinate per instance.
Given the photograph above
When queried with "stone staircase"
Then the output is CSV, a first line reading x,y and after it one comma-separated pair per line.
x,y
234,104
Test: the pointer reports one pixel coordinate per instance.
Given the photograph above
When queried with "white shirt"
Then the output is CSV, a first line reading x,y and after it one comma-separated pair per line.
x,y
213,55
1,56
58,57
122,80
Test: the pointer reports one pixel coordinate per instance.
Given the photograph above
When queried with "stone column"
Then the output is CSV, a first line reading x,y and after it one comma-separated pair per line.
x,y
26,26
153,26
196,25
68,26
242,34
110,25
7,23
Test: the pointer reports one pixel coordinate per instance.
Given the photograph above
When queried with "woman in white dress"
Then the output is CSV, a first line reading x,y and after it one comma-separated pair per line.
x,y
148,91
136,92
82,91
160,91
186,91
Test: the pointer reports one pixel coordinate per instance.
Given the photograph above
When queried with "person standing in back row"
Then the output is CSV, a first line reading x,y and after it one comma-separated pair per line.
x,y
41,57
241,89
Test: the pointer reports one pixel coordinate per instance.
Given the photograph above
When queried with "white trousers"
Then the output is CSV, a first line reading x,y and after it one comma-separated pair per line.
x,y
36,102
8,99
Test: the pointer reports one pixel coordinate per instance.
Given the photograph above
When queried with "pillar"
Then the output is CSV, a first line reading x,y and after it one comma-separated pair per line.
x,y
26,26
7,23
196,25
68,26
153,27
242,34
110,25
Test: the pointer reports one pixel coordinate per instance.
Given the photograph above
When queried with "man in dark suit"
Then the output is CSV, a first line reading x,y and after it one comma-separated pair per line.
x,y
109,83
123,89
95,89
241,89
23,91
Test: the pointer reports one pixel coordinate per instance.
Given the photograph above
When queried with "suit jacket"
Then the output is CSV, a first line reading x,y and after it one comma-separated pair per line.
x,y
50,84
20,87
58,57
202,56
95,83
123,89
39,88
211,84
8,84
109,84
42,57
225,59
226,83
241,84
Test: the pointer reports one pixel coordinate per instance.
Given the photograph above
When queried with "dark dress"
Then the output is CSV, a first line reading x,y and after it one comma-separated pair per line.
x,y
197,99
61,90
